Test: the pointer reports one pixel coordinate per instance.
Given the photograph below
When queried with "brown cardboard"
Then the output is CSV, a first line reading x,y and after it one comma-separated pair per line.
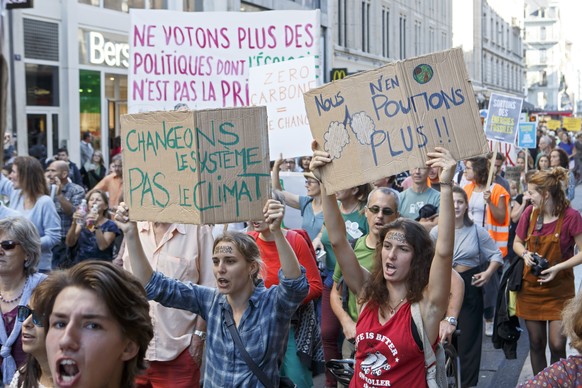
x,y
438,109
209,156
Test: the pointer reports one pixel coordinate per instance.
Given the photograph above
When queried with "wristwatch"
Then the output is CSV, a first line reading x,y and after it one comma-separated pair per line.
x,y
201,334
451,320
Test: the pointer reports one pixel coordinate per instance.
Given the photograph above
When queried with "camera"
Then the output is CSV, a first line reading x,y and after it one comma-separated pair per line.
x,y
540,264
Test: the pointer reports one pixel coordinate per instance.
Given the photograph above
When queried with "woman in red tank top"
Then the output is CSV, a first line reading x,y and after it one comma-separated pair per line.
x,y
386,352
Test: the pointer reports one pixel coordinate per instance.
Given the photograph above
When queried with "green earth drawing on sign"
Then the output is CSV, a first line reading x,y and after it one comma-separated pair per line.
x,y
423,73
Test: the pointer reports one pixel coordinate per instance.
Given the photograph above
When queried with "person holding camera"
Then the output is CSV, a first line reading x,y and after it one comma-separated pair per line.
x,y
545,239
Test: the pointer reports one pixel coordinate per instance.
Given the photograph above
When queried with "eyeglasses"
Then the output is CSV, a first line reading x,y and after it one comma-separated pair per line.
x,y
25,311
8,245
386,211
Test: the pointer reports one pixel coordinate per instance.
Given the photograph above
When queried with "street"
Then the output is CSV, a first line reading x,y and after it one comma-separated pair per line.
x,y
496,371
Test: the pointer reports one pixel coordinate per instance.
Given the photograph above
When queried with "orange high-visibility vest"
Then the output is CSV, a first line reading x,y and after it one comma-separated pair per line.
x,y
498,232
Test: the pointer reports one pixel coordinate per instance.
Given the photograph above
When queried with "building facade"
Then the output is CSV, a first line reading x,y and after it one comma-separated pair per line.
x,y
72,56
546,56
368,34
492,43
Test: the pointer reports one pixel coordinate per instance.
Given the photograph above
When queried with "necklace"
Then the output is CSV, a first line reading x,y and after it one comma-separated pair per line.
x,y
8,301
353,209
393,309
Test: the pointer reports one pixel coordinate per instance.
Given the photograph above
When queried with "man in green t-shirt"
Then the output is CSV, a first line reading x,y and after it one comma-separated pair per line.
x,y
382,208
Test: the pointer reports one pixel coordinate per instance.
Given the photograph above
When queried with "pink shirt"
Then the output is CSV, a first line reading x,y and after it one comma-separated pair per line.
x,y
184,253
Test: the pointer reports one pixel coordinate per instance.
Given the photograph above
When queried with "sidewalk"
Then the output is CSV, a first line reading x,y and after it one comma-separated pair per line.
x,y
526,372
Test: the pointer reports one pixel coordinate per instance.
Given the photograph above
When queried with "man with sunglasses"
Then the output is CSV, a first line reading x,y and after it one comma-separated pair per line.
x,y
382,208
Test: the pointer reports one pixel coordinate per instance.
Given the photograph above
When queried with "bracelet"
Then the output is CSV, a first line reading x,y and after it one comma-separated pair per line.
x,y
449,183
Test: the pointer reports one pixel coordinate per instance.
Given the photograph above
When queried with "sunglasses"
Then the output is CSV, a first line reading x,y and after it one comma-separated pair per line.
x,y
8,245
25,311
386,211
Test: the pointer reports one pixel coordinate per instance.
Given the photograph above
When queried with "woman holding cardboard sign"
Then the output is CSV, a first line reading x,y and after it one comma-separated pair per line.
x,y
239,304
402,284
309,205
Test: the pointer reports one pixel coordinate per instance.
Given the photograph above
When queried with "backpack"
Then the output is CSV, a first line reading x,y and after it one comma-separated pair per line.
x,y
434,361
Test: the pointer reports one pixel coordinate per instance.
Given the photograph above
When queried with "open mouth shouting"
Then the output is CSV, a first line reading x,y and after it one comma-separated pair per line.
x,y
67,372
389,269
222,283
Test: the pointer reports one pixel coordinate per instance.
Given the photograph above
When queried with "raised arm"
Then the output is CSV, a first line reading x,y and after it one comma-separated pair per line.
x,y
439,285
274,212
140,265
290,198
354,275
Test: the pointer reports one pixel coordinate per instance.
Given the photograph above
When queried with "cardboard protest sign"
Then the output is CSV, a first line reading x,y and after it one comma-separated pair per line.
x,y
503,118
526,135
280,88
384,121
572,123
196,167
203,59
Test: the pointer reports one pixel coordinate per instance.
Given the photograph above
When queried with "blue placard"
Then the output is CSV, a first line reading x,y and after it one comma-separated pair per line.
x,y
526,135
503,118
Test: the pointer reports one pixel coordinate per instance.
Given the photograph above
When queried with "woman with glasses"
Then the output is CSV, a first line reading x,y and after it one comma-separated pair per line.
x,y
35,373
309,205
548,229
19,258
93,234
29,195
476,258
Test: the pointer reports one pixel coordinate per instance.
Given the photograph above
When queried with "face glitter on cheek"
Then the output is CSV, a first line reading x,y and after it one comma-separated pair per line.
x,y
223,249
397,236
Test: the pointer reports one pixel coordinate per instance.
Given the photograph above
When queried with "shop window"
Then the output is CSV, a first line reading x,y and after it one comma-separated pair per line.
x,y
123,5
90,100
42,85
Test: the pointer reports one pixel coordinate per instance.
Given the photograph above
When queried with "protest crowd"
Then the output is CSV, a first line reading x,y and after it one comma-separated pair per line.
x,y
298,297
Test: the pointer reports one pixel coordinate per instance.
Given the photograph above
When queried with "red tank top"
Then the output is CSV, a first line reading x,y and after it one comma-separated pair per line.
x,y
387,355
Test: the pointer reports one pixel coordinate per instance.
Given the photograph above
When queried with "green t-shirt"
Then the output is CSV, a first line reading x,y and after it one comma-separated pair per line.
x,y
365,256
356,227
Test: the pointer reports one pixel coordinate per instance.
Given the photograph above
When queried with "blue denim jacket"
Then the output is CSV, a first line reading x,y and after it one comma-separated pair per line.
x,y
263,327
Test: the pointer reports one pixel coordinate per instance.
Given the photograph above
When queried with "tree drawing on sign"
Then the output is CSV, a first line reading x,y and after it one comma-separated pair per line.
x,y
363,126
336,138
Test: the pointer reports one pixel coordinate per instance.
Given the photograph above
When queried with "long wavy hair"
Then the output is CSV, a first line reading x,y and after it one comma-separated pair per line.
x,y
375,290
31,177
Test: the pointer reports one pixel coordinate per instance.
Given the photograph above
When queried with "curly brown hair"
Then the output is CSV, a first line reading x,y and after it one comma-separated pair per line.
x,y
375,290
553,181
